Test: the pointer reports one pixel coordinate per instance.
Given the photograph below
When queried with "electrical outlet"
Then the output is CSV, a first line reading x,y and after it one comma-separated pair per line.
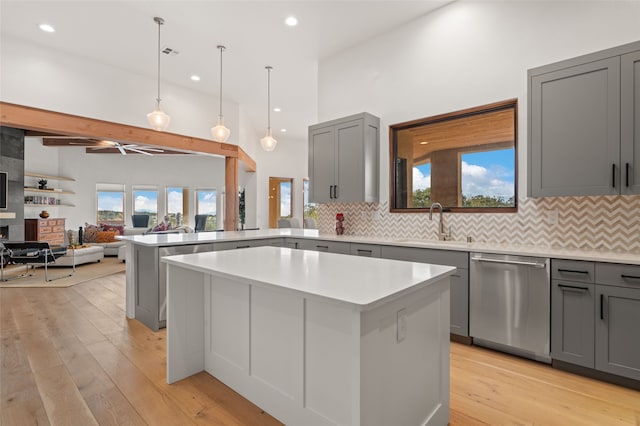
x,y
401,331
552,217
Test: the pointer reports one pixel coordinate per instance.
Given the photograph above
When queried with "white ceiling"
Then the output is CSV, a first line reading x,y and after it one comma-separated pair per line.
x,y
123,34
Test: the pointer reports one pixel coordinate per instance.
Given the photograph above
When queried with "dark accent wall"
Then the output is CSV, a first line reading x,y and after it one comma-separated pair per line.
x,y
12,162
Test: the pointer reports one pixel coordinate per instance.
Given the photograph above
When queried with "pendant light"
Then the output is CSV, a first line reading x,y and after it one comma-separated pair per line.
x,y
268,142
220,133
158,119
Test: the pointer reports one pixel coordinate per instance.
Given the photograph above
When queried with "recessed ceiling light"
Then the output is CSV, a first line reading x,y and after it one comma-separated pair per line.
x,y
277,109
424,143
195,77
291,21
47,28
283,130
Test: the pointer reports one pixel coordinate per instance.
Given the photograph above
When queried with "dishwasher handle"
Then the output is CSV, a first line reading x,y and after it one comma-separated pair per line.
x,y
510,262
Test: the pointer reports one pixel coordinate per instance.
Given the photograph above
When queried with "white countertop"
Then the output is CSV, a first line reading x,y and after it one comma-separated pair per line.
x,y
159,240
360,281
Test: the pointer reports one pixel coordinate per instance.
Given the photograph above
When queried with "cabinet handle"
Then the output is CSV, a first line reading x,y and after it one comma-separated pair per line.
x,y
627,174
331,191
456,276
573,271
572,288
629,277
323,248
613,175
239,247
365,251
602,306
335,191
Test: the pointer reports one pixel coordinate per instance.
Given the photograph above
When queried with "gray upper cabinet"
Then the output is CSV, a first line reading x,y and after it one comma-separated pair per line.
x,y
630,120
581,125
343,160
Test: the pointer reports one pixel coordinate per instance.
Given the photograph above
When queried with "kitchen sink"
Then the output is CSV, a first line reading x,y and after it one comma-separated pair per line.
x,y
414,241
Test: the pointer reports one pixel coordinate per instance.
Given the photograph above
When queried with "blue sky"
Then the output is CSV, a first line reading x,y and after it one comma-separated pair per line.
x,y
146,201
207,201
483,173
110,201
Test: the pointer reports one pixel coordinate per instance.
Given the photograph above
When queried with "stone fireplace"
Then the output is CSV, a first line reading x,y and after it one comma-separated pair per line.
x,y
12,162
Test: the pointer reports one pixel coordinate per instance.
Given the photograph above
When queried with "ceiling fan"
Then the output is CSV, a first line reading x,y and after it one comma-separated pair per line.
x,y
124,148
97,144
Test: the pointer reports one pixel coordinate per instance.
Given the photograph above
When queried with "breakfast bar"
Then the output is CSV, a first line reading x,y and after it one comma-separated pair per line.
x,y
314,338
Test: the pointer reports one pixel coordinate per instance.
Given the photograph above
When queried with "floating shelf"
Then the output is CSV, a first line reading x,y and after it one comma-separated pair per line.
x,y
40,175
48,191
48,205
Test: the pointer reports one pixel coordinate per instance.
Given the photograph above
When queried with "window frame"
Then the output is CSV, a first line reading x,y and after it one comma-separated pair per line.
x,y
393,141
197,205
111,188
146,188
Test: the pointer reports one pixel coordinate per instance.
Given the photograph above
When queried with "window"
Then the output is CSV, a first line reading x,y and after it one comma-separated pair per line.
x,y
310,210
110,203
285,200
206,203
145,201
464,160
176,199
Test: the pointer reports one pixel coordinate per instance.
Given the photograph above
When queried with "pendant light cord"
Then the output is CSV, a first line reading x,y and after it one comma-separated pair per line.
x,y
160,21
221,50
269,98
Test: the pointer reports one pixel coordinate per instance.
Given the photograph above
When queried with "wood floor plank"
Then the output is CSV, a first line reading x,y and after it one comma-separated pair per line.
x,y
70,356
62,400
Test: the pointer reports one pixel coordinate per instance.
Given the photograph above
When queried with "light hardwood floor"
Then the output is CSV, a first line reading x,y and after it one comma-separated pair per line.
x,y
69,356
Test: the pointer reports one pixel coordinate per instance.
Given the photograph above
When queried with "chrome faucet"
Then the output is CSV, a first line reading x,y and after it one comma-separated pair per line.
x,y
443,233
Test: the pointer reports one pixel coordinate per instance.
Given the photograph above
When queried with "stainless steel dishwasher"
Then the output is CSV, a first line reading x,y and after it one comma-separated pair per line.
x,y
509,304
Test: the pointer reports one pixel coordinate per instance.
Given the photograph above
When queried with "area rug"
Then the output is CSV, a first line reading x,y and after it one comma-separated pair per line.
x,y
86,272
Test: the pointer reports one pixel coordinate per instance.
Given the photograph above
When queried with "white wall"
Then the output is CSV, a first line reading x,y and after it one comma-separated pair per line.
x,y
466,54
40,77
88,169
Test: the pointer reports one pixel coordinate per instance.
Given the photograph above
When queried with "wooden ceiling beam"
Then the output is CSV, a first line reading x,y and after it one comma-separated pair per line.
x,y
56,123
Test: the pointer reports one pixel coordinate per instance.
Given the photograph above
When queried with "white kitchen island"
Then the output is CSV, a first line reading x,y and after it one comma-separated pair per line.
x,y
314,338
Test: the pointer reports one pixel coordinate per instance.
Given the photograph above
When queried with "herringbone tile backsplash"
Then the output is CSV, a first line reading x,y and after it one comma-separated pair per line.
x,y
605,222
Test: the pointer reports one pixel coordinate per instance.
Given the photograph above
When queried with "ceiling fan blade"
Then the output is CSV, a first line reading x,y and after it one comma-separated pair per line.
x,y
121,149
140,151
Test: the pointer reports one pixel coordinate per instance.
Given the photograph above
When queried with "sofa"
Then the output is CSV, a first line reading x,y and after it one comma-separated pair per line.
x,y
110,248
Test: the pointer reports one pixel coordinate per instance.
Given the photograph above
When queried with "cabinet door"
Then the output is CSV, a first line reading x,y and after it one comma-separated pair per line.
x,y
459,296
459,282
573,322
575,130
617,331
321,164
349,159
630,122
325,246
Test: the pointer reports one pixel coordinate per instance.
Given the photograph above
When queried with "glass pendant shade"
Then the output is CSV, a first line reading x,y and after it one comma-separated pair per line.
x,y
220,133
268,143
158,119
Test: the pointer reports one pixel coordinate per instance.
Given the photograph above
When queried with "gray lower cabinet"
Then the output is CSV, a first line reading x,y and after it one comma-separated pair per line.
x,y
595,313
459,293
151,281
583,125
233,245
367,250
573,322
618,319
325,246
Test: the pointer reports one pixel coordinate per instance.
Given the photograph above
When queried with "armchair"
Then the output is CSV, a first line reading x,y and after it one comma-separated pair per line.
x,y
32,253
201,222
140,220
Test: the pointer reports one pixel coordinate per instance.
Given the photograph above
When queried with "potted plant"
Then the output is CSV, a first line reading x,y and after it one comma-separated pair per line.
x,y
241,208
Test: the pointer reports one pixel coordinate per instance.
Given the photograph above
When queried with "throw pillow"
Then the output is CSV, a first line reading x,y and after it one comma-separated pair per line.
x,y
159,227
90,234
117,228
106,237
